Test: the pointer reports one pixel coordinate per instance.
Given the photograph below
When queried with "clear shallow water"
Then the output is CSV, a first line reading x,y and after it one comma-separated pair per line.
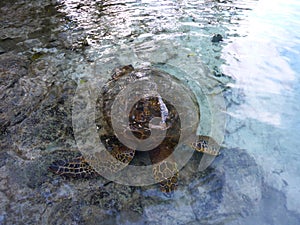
x,y
260,52
266,67
255,67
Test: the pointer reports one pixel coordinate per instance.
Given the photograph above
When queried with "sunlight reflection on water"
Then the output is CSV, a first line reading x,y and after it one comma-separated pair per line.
x,y
259,50
265,66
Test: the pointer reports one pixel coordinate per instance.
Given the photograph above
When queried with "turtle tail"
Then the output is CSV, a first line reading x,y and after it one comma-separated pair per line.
x,y
76,169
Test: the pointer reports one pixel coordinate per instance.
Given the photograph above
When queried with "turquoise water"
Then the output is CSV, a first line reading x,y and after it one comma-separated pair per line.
x,y
266,67
247,86
258,59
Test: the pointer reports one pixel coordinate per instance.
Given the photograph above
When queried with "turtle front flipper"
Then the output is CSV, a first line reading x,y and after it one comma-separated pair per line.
x,y
209,147
206,145
77,168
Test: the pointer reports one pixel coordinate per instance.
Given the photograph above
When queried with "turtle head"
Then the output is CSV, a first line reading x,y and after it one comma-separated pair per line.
x,y
122,71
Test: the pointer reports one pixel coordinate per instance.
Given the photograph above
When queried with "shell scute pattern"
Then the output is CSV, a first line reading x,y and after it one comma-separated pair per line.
x,y
143,111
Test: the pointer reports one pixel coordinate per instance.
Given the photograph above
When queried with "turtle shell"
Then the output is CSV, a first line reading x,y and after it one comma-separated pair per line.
x,y
136,103
141,109
137,107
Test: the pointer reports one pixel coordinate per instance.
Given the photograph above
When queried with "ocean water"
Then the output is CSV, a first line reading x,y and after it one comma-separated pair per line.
x,y
240,59
265,63
254,71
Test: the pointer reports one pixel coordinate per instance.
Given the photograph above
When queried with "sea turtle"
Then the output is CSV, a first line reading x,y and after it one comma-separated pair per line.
x,y
141,114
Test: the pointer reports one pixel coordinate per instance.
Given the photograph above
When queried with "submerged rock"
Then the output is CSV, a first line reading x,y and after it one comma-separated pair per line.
x,y
13,69
217,38
230,188
2,50
36,101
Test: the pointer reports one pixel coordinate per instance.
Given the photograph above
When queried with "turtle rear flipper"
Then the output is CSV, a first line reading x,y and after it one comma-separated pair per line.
x,y
77,168
166,173
169,185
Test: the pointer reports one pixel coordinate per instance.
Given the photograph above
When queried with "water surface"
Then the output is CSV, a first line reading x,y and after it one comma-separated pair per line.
x,y
249,95
265,64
